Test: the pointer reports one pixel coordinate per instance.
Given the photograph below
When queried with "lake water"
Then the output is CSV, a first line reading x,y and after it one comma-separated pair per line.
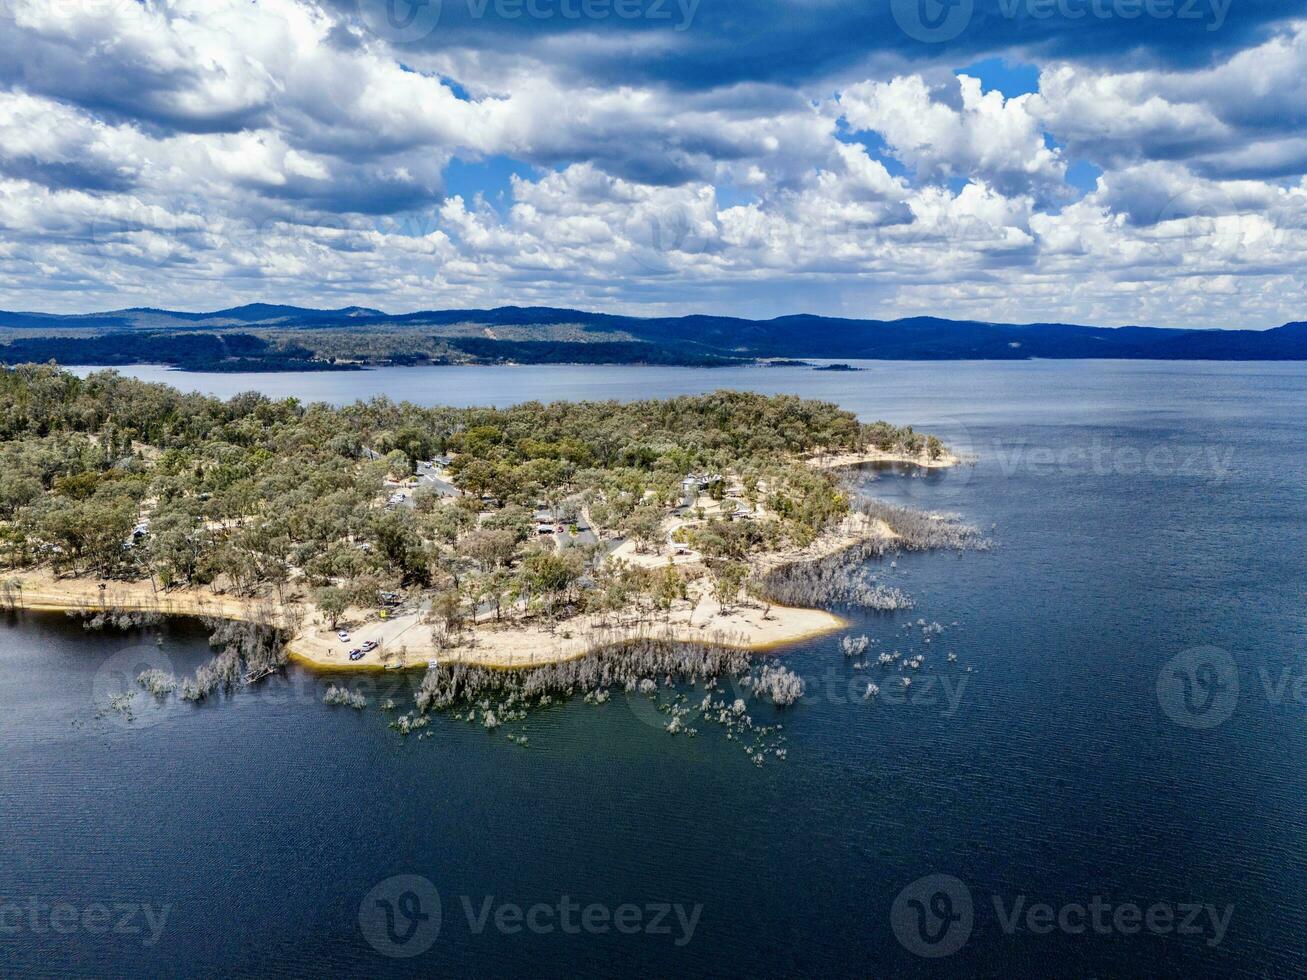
x,y
1149,526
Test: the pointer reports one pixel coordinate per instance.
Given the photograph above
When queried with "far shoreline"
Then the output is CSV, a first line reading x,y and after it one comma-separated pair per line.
x,y
813,366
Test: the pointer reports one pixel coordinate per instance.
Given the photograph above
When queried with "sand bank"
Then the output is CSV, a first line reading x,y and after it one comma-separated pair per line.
x,y
407,639
834,461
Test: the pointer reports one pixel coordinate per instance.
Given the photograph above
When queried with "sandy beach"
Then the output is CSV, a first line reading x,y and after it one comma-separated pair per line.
x,y
835,461
408,639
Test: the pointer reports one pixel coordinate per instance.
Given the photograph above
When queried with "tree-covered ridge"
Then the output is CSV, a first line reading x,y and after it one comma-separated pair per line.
x,y
262,337
111,476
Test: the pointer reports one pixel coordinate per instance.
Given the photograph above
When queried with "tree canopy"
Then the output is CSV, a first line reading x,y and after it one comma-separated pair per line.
x,y
110,476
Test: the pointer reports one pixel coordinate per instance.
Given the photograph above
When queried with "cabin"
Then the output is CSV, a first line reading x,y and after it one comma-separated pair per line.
x,y
695,484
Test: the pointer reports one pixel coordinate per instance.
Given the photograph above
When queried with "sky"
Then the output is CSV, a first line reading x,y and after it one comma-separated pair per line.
x,y
1092,161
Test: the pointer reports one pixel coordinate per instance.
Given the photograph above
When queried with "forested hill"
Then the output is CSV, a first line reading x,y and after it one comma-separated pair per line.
x,y
272,337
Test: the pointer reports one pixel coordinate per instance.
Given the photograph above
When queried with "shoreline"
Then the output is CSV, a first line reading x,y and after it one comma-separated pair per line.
x,y
407,640
359,367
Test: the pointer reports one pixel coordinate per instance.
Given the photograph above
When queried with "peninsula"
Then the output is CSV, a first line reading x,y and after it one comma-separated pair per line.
x,y
382,535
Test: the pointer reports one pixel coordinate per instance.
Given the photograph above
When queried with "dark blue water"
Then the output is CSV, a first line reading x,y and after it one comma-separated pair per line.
x,y
1139,511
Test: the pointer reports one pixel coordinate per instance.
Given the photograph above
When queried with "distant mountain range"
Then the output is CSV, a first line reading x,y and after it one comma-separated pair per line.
x,y
268,337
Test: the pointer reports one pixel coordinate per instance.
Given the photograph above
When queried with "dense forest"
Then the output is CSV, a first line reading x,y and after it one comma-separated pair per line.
x,y
227,352
116,478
